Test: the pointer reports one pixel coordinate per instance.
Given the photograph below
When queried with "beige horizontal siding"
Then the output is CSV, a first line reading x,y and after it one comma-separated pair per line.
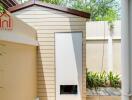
x,y
46,94
60,30
45,55
47,16
46,47
46,51
45,74
44,90
47,22
46,70
68,27
64,23
46,77
41,43
48,59
41,84
50,39
57,19
47,98
46,66
45,35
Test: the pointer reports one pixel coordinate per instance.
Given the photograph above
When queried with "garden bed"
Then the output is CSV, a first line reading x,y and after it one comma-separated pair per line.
x,y
103,86
104,91
103,98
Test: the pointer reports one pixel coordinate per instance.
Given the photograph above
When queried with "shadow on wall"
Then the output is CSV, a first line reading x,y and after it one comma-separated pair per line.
x,y
81,28
80,57
41,84
77,46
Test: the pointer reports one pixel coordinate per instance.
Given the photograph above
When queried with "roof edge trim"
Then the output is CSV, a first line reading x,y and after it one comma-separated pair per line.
x,y
50,6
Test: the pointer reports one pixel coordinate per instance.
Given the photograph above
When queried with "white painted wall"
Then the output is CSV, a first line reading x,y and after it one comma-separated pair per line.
x,y
97,33
97,29
68,63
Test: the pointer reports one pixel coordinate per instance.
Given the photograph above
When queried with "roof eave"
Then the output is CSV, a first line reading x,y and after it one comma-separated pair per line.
x,y
50,6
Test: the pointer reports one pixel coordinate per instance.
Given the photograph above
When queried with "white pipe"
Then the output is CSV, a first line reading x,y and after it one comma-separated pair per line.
x,y
125,53
110,52
130,45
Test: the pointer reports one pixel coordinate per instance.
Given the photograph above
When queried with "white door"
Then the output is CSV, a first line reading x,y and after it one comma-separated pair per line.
x,y
68,47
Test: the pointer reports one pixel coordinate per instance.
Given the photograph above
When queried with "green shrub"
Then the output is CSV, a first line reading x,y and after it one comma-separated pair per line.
x,y
92,80
102,79
95,80
2,9
114,80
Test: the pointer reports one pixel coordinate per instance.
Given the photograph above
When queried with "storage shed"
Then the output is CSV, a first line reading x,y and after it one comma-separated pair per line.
x,y
61,54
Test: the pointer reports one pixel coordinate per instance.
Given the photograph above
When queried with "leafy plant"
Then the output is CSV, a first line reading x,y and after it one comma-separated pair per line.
x,y
58,2
101,10
102,79
2,9
92,80
95,80
114,80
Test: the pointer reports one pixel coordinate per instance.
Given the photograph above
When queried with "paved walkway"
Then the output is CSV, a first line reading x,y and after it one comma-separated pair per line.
x,y
104,91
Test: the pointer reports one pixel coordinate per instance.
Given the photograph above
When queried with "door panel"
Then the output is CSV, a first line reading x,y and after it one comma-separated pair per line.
x,y
68,47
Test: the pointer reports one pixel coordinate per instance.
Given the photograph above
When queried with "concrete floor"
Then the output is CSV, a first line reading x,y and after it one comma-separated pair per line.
x,y
104,93
103,97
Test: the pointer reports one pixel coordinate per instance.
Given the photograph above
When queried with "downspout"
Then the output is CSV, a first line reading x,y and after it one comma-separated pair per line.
x,y
125,50
110,47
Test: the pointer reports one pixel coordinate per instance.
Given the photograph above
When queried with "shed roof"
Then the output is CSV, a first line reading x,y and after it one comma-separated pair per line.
x,y
50,6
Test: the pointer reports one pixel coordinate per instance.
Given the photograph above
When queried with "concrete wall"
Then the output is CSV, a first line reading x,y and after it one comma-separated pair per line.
x,y
96,32
47,22
17,71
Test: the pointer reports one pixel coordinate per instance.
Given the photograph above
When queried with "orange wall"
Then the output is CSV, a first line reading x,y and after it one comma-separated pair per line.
x,y
18,71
